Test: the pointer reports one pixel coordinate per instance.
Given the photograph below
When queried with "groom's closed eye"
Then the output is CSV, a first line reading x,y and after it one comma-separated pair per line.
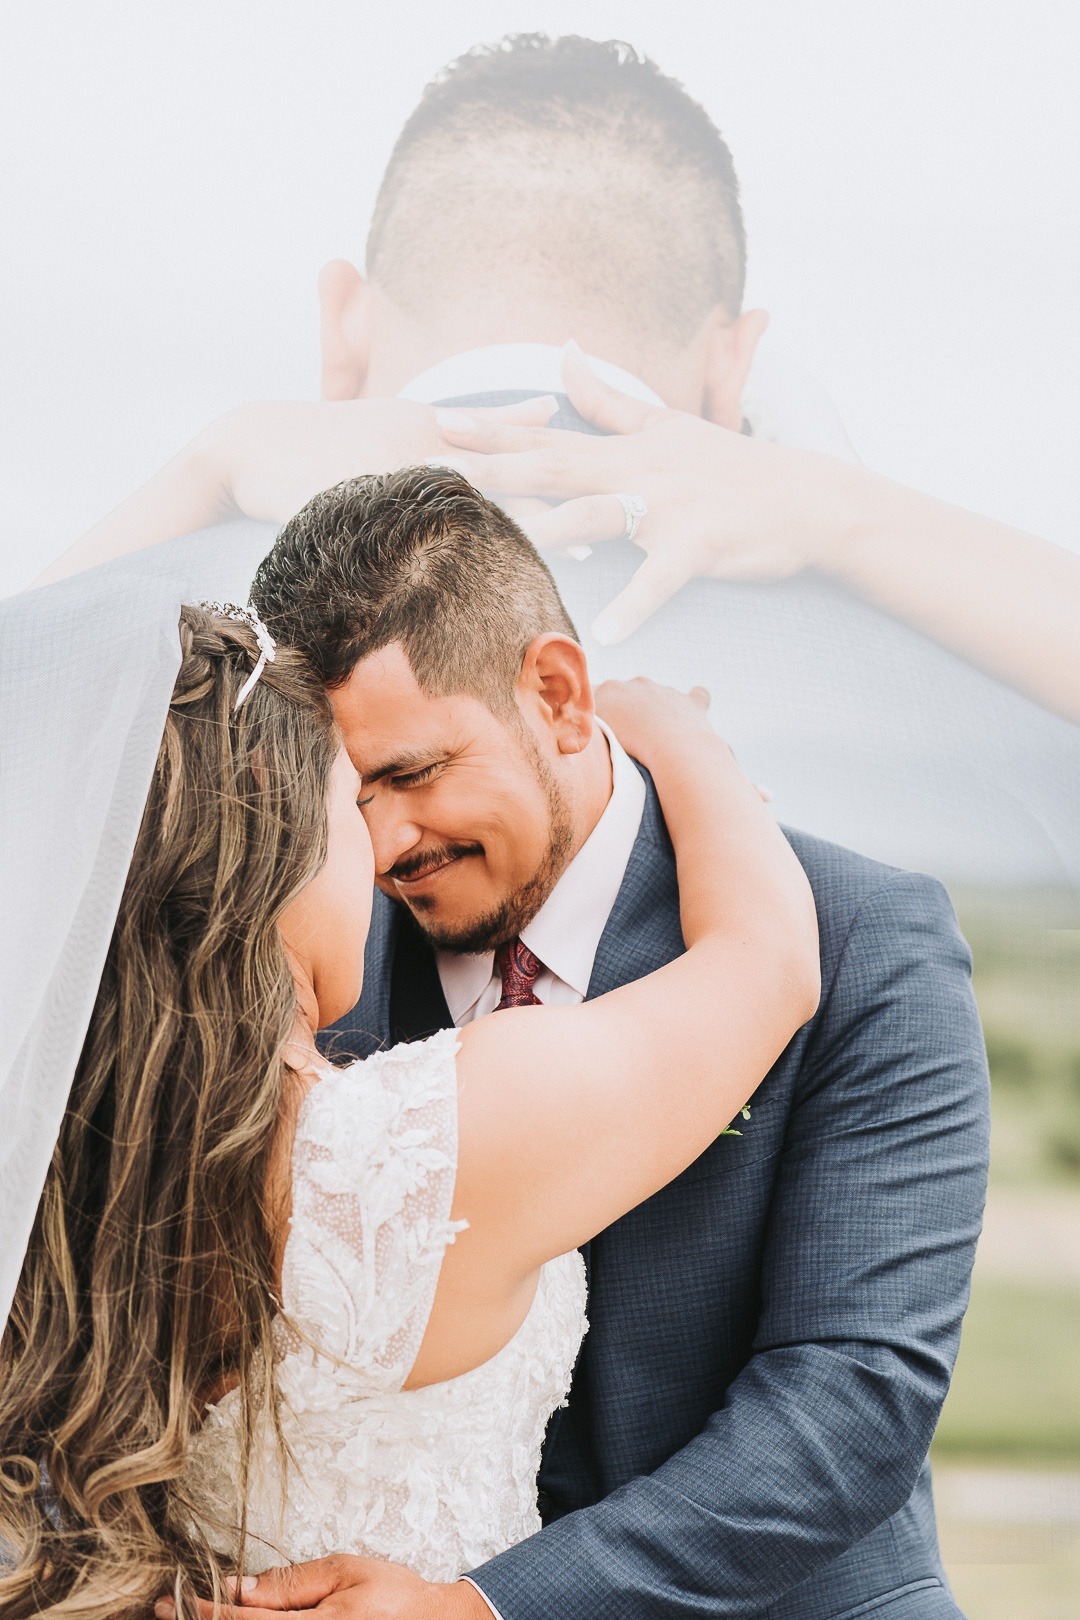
x,y
412,779
408,770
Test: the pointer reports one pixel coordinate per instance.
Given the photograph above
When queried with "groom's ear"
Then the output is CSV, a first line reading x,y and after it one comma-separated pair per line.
x,y
730,349
555,693
344,329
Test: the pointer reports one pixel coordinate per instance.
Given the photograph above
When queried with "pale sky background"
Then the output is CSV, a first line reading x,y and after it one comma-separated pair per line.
x,y
174,175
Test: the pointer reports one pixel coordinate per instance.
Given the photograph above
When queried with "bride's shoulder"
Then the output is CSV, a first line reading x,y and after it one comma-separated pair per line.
x,y
377,1090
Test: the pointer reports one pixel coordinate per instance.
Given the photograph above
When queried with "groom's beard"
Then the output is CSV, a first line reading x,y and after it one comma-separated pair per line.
x,y
506,920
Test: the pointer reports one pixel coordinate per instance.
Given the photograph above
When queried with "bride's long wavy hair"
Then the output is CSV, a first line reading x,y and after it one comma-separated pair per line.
x,y
149,1280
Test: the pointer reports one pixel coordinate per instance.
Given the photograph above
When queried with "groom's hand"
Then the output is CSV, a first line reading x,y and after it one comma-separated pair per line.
x,y
345,1588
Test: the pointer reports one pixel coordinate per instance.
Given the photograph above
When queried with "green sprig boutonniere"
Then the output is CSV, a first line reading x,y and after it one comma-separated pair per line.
x,y
744,1113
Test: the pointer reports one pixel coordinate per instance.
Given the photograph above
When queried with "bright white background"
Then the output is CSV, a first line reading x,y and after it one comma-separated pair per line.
x,y
175,174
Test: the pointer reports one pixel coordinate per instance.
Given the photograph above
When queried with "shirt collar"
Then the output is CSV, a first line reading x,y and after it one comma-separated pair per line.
x,y
565,933
498,366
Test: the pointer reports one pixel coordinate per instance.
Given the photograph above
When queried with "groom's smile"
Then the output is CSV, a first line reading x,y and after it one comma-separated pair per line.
x,y
411,874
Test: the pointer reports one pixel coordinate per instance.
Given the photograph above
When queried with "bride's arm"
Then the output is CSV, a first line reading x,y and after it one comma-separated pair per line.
x,y
724,506
263,460
266,460
569,1117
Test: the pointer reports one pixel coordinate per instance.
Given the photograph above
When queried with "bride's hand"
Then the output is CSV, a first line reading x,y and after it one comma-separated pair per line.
x,y
268,459
647,717
273,456
719,504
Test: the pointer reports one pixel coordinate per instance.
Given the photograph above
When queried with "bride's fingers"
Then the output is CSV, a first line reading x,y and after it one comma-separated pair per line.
x,y
525,413
589,520
488,437
556,473
658,578
523,509
605,407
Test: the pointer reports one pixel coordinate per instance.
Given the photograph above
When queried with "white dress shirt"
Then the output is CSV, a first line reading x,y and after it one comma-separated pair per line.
x,y
565,933
781,401
497,367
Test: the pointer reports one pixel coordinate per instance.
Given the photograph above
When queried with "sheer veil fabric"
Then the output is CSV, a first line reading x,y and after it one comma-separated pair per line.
x,y
87,668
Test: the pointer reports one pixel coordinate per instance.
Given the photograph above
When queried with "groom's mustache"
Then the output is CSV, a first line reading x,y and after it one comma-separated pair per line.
x,y
429,860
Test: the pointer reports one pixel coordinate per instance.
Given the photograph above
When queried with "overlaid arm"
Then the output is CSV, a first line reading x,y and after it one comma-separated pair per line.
x,y
865,1280
265,460
721,505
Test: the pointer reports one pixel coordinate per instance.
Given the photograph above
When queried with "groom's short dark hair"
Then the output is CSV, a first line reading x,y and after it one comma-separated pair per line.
x,y
570,165
417,557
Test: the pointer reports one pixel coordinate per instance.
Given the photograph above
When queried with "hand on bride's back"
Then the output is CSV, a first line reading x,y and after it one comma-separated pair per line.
x,y
342,1587
645,716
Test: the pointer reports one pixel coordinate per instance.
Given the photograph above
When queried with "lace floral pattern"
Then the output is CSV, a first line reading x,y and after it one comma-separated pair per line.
x,y
439,1478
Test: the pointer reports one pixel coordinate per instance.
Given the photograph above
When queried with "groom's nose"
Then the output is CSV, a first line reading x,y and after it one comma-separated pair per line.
x,y
393,831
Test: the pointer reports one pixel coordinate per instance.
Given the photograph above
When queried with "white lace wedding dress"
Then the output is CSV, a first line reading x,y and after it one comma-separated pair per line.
x,y
439,1478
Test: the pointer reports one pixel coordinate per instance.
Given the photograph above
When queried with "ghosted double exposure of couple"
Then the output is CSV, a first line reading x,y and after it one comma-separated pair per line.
x,y
641,1297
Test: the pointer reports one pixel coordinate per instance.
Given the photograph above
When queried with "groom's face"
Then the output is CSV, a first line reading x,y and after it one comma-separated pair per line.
x,y
466,817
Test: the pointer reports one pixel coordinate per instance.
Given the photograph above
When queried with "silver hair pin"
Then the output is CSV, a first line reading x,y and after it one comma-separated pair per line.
x,y
267,644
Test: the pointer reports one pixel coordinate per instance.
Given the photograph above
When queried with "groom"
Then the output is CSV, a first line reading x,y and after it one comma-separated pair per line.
x,y
772,1335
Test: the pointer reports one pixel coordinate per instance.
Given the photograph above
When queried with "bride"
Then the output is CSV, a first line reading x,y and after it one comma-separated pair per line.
x,y
271,1309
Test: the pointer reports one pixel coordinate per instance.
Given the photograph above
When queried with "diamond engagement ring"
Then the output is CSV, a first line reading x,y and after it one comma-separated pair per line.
x,y
634,509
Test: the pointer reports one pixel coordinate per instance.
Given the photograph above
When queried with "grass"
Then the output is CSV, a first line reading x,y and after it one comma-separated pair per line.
x,y
1015,1396
1026,949
1016,1392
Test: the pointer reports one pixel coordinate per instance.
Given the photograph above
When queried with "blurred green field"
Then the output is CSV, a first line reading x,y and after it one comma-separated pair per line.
x,y
1014,1405
1016,1392
1026,949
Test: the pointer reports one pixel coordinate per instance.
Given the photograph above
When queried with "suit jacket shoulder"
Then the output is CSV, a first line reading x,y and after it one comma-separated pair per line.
x,y
848,886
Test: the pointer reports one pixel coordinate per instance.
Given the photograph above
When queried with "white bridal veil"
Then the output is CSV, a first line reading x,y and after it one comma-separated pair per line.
x,y
86,671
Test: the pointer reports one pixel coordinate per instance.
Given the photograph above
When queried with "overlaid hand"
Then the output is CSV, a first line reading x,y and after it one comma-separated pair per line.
x,y
344,1588
719,505
273,456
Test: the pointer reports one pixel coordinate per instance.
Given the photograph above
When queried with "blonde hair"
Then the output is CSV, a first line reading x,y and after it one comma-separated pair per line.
x,y
149,1282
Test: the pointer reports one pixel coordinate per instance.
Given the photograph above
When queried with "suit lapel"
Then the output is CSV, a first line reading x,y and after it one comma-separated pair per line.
x,y
417,1005
643,931
402,999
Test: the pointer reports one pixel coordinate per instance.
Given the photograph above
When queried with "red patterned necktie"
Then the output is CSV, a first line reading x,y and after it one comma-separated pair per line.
x,y
518,968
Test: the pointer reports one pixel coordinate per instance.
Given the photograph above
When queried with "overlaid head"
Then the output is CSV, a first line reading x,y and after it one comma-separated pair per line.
x,y
547,189
459,686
